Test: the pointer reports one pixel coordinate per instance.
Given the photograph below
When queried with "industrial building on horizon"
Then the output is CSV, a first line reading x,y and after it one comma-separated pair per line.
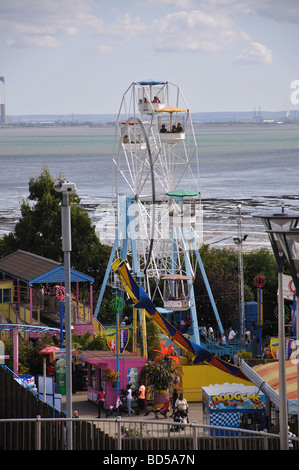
x,y
2,103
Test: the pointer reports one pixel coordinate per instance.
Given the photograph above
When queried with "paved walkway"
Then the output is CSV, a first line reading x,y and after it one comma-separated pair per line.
x,y
88,409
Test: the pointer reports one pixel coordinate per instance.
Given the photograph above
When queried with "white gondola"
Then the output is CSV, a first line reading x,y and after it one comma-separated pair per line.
x,y
134,146
172,137
169,117
176,292
149,107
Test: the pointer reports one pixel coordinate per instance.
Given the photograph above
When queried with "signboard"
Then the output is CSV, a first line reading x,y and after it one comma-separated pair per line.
x,y
123,339
233,397
288,288
132,377
274,347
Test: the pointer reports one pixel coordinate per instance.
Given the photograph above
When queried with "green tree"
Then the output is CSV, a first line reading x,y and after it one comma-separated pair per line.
x,y
221,267
39,230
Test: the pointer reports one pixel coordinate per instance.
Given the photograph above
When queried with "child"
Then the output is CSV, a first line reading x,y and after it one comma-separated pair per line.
x,y
164,409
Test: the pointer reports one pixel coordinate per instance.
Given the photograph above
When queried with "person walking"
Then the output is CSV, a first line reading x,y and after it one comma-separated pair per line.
x,y
129,400
141,398
174,399
101,402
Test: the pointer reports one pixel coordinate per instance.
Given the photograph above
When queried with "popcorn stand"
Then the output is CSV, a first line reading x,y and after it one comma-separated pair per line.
x,y
235,406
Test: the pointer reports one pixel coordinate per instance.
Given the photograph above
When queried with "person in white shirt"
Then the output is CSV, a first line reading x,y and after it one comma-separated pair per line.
x,y
181,404
231,334
211,333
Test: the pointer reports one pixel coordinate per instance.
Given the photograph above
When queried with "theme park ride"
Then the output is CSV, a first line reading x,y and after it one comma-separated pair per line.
x,y
158,222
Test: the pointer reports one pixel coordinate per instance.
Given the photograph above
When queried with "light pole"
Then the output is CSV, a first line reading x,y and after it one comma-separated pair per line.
x,y
289,241
239,241
67,188
278,223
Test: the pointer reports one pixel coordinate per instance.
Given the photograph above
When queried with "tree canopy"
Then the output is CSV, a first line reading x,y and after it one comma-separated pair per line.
x,y
221,266
39,229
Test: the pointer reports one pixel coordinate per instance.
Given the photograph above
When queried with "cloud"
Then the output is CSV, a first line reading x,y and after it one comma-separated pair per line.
x,y
126,27
195,31
256,54
176,4
35,23
278,10
103,49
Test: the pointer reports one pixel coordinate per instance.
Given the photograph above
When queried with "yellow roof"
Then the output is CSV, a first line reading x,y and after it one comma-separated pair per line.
x,y
171,109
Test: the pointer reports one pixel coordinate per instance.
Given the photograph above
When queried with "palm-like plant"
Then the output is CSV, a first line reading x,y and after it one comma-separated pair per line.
x,y
166,353
159,374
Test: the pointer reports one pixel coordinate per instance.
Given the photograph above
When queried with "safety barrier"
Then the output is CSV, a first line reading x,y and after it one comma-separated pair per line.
x,y
120,434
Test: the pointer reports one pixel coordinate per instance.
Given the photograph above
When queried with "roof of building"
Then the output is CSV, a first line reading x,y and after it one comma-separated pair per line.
x,y
35,269
101,357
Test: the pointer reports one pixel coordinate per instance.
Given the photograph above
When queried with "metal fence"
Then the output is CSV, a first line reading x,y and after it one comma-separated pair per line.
x,y
121,434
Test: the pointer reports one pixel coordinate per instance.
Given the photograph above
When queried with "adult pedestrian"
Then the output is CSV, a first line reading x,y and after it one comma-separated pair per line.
x,y
291,436
181,405
174,399
231,334
101,402
211,333
129,400
141,397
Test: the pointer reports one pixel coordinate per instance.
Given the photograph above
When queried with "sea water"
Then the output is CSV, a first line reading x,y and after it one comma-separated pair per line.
x,y
257,165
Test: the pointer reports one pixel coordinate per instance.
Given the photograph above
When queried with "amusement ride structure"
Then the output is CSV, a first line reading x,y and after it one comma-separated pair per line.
x,y
158,222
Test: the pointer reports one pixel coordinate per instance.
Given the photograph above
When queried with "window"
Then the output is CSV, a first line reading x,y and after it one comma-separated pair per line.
x,y
5,296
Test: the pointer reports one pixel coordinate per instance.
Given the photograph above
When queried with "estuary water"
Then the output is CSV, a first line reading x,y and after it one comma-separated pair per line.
x,y
255,165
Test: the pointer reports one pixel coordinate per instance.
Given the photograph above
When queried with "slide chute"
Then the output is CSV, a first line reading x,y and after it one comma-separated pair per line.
x,y
141,300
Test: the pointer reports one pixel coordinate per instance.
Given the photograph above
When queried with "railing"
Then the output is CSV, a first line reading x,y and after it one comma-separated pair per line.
x,y
228,348
20,313
120,434
32,390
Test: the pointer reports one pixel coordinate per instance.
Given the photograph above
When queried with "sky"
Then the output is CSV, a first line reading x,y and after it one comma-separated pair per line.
x,y
80,56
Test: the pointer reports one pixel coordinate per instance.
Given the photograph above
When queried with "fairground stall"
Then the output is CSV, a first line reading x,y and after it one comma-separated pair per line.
x,y
102,369
235,406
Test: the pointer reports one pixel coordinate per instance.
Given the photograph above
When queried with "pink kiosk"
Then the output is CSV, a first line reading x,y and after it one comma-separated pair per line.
x,y
98,362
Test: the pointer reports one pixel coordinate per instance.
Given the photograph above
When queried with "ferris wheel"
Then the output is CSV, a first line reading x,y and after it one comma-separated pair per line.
x,y
157,195
152,167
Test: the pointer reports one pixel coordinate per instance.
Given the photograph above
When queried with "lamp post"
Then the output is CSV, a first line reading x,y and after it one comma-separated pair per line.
x,y
67,188
289,241
274,224
239,241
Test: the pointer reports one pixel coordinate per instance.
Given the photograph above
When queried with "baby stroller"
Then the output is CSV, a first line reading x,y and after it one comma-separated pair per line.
x,y
180,417
117,408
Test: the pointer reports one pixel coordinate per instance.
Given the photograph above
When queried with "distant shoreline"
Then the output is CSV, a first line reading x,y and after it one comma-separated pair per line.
x,y
28,125
219,220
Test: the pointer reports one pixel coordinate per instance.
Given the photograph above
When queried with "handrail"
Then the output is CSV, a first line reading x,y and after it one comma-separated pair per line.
x,y
28,387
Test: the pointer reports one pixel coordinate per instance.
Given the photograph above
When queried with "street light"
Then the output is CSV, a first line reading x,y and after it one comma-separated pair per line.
x,y
289,241
67,188
274,224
